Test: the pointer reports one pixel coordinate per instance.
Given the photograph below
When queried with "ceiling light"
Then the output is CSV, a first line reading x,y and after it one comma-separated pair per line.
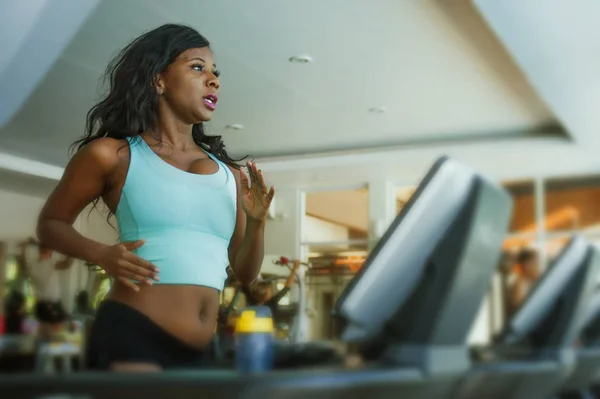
x,y
378,110
235,126
301,59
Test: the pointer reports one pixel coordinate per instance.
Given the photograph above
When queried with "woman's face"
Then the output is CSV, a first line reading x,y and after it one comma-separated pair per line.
x,y
189,86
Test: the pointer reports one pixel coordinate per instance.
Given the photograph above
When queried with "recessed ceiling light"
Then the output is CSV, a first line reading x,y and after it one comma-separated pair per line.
x,y
378,110
235,126
301,59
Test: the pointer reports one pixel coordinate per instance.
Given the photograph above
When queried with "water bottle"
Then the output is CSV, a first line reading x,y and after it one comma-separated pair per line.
x,y
254,340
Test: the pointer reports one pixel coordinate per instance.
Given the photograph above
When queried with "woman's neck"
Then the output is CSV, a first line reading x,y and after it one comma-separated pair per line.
x,y
172,131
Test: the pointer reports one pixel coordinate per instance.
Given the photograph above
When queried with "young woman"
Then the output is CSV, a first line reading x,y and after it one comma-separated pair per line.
x,y
184,210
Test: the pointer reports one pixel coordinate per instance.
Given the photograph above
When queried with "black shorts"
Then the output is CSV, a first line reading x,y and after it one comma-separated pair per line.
x,y
50,311
122,334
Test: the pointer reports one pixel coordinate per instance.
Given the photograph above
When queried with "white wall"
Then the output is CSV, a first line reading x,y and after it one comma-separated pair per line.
x,y
18,215
282,235
94,225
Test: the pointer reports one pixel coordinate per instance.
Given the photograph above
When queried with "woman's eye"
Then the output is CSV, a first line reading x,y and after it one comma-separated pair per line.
x,y
198,68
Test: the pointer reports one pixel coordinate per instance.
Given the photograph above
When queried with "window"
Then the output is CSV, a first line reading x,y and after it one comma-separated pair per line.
x,y
337,259
523,219
335,240
335,232
573,205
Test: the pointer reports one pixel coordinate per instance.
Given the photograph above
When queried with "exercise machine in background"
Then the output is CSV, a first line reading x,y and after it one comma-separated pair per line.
x,y
414,301
581,384
299,327
534,354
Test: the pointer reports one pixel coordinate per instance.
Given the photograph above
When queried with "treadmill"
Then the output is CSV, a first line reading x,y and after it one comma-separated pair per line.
x,y
408,311
534,354
582,382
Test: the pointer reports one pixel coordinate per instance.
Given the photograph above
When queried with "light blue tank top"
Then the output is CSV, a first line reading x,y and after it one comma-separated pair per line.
x,y
186,219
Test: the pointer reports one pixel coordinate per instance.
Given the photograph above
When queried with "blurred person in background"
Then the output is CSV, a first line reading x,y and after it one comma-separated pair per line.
x,y
41,265
15,311
523,278
261,292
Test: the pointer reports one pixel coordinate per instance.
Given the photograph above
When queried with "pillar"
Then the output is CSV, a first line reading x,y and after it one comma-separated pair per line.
x,y
382,208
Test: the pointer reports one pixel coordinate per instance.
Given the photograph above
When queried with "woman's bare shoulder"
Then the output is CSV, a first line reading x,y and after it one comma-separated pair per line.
x,y
105,152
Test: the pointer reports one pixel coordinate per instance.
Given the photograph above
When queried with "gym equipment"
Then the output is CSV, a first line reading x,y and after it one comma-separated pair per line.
x,y
587,369
297,331
299,328
409,309
534,354
417,296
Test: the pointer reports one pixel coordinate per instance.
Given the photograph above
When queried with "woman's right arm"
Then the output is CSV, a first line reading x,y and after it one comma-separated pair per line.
x,y
84,180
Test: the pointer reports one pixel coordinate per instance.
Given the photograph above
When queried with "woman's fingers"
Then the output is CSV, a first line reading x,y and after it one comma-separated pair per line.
x,y
128,283
133,245
258,181
244,179
271,193
251,173
261,179
137,273
143,263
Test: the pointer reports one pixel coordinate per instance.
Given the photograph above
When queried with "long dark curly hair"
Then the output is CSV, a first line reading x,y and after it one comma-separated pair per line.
x,y
131,105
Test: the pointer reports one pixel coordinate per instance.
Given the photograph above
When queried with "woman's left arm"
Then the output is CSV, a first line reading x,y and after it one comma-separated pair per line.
x,y
246,249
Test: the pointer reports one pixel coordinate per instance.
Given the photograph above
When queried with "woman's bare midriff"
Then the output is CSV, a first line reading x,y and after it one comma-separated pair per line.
x,y
187,312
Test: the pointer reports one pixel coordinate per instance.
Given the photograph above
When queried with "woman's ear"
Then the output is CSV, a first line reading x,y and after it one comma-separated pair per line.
x,y
159,84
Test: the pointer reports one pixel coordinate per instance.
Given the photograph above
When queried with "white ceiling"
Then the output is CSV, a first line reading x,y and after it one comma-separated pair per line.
x,y
36,33
448,84
555,43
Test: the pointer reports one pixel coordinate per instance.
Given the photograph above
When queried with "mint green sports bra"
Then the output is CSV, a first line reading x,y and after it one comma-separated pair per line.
x,y
186,219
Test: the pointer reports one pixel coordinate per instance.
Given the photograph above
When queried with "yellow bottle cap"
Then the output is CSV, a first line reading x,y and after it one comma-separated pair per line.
x,y
249,323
